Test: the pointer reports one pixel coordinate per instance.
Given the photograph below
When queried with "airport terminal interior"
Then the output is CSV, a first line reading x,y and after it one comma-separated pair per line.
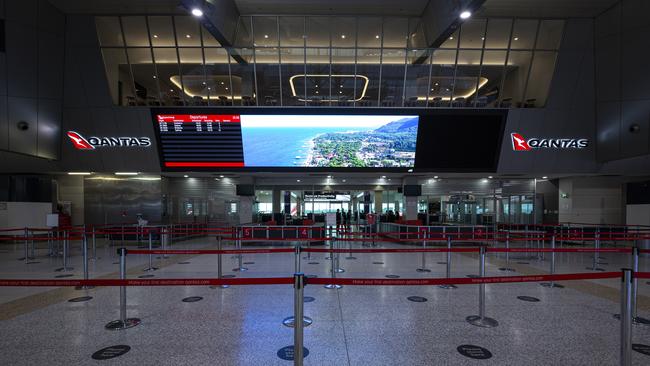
x,y
324,182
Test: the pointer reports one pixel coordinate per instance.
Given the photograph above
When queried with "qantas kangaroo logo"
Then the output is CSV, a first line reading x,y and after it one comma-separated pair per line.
x,y
93,142
519,143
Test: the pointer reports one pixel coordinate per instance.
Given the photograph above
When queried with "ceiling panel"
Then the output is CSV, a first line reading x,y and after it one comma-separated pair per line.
x,y
546,8
355,7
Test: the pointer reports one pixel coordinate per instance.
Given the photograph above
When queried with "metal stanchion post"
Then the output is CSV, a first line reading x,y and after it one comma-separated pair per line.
x,y
240,261
66,237
84,252
297,258
26,255
552,283
94,244
151,267
448,272
291,321
333,271
636,320
594,266
481,320
219,264
423,268
123,322
298,310
31,247
122,234
337,245
626,318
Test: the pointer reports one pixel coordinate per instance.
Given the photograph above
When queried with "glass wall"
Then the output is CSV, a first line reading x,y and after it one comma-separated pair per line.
x,y
329,61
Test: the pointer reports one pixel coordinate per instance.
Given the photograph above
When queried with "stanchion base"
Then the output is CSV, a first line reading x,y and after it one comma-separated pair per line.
x,y
595,269
240,269
339,270
150,269
291,321
448,287
84,287
24,259
331,287
483,322
63,269
507,269
351,258
422,270
220,286
551,285
119,325
637,321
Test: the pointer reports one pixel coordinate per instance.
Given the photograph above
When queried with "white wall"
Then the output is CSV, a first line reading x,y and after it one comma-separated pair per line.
x,y
591,200
637,215
23,214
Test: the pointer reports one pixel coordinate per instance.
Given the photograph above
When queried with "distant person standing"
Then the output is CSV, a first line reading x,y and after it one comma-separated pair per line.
x,y
338,220
349,219
344,220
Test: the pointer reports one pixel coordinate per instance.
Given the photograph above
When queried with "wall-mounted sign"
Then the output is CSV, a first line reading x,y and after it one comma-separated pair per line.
x,y
81,143
519,143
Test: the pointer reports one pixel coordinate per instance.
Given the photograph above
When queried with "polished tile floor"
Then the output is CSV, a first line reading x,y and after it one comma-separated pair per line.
x,y
352,326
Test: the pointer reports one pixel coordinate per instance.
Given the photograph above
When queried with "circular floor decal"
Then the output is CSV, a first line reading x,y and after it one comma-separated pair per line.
x,y
32,262
392,276
110,352
506,269
528,298
116,262
286,353
313,263
80,299
417,299
641,348
146,276
441,262
351,258
311,276
473,276
183,262
228,276
523,262
249,262
309,299
192,299
476,352
63,275
377,262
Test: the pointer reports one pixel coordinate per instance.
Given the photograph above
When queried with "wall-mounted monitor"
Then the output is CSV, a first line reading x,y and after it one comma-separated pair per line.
x,y
245,190
412,190
354,139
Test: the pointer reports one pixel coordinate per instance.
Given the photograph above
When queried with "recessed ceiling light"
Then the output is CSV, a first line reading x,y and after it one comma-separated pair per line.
x,y
216,178
154,76
377,36
222,83
266,36
79,173
544,177
188,36
226,88
484,180
197,12
490,177
435,177
410,170
297,180
465,14
221,176
452,37
155,36
316,91
186,176
482,38
343,36
340,92
516,38
126,173
343,181
171,90
383,177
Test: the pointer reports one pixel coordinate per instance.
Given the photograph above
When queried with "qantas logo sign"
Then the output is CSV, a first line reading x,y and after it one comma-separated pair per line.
x,y
93,142
519,143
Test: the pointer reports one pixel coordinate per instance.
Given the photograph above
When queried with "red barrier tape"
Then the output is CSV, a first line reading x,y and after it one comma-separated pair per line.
x,y
414,250
642,275
459,281
158,282
559,250
211,251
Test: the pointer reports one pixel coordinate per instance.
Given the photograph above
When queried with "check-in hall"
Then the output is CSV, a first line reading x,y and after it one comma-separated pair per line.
x,y
324,182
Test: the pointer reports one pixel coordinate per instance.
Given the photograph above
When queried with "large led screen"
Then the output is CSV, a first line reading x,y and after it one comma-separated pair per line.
x,y
320,139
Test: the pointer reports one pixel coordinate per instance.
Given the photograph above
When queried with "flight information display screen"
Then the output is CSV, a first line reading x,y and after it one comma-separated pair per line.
x,y
319,139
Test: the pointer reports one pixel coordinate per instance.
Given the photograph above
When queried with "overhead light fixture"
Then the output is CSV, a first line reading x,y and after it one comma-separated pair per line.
x,y
155,36
188,36
435,177
266,36
221,176
383,177
79,173
298,180
490,177
452,37
410,170
126,173
216,178
343,180
343,36
484,180
465,14
516,38
377,36
186,176
197,12
544,177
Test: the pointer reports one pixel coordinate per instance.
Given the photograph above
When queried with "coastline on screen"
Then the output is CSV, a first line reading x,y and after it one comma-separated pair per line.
x,y
329,141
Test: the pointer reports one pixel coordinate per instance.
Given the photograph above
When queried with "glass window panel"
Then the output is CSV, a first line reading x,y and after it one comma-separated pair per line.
x,y
318,78
343,74
293,71
292,31
219,88
162,31
417,38
368,66
265,31
417,78
108,31
392,77
523,34
491,75
451,41
550,34
144,76
135,31
541,74
167,67
246,73
268,75
343,31
515,78
318,31
208,39
243,36
472,33
442,77
395,31
118,75
369,32
498,33
193,77
466,81
187,31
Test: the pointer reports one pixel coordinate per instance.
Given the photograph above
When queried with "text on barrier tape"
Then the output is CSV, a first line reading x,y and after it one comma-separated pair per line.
x,y
211,251
406,250
156,282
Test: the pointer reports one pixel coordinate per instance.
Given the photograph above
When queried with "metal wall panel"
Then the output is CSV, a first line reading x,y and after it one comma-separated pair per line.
x,y
111,201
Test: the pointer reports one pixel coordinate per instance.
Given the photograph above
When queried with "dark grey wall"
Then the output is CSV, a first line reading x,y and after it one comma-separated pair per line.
x,y
111,202
622,37
209,197
549,190
31,76
569,112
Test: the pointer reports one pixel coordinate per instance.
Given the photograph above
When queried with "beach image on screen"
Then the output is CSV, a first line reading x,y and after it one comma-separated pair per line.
x,y
356,141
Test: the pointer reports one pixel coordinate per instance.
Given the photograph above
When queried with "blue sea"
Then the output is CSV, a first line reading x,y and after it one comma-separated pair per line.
x,y
282,147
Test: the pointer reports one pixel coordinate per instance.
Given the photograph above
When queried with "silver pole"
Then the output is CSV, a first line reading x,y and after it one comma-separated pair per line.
x,y
94,244
626,318
31,247
507,247
84,244
333,269
595,259
240,268
337,245
481,320
448,271
123,322
552,283
26,257
66,236
122,234
219,262
297,258
151,267
423,268
298,303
